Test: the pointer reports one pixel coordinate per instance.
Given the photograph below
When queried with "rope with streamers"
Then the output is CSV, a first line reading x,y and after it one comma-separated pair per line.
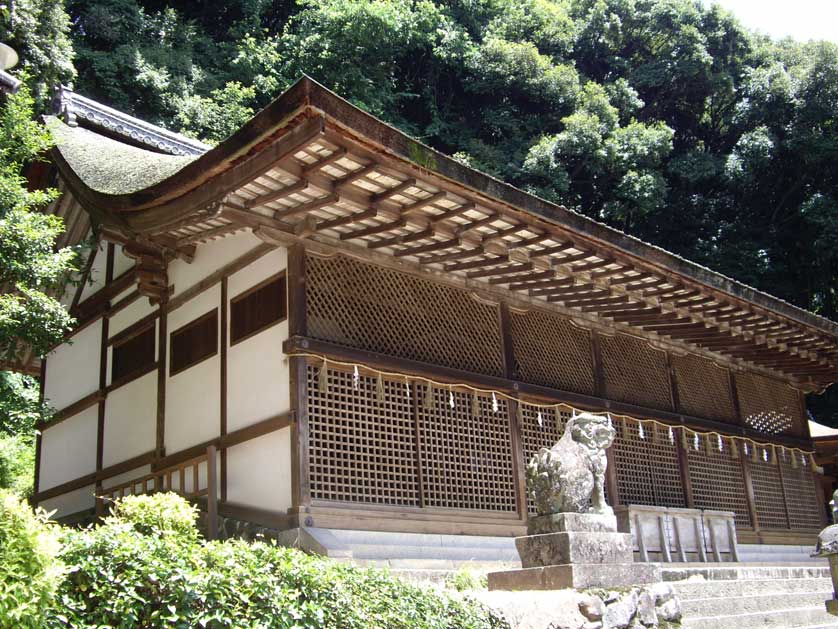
x,y
768,449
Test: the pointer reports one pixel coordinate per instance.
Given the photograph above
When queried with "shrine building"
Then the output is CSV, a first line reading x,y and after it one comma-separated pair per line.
x,y
321,323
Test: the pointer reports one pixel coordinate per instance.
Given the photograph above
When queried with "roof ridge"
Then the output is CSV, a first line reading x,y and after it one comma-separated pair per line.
x,y
71,106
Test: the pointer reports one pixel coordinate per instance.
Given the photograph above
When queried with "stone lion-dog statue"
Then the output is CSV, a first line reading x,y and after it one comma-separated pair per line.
x,y
570,476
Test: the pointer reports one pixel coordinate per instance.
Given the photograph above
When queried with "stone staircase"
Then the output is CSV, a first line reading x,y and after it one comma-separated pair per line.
x,y
744,596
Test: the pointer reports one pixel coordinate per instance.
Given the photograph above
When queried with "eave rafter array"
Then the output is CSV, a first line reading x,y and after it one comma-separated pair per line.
x,y
331,187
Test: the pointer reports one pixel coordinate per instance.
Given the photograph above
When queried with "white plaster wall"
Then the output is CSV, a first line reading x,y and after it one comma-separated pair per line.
x,y
73,368
193,398
130,420
68,449
259,472
129,315
258,375
121,262
72,502
210,257
134,474
96,279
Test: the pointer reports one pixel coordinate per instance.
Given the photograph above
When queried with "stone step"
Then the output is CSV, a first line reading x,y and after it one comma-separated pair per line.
x,y
688,590
717,572
787,619
760,603
453,553
448,565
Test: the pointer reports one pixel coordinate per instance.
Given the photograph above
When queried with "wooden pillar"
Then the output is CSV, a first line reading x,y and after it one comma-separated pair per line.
x,y
41,394
684,469
518,462
417,431
162,354
782,487
599,371
223,391
747,477
212,494
674,398
300,483
297,308
297,326
611,485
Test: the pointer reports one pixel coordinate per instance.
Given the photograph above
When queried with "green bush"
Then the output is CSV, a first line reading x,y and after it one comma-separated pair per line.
x,y
17,463
466,579
146,566
29,570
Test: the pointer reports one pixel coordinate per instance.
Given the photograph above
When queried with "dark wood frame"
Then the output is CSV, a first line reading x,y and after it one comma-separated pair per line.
x,y
199,320
144,325
246,293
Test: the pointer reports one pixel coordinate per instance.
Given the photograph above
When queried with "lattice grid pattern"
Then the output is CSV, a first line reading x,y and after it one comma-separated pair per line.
x,y
768,405
717,481
550,351
535,436
635,372
804,505
647,468
703,388
361,449
466,461
768,493
381,310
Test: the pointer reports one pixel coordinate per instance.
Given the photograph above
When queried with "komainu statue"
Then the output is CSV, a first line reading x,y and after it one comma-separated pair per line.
x,y
570,476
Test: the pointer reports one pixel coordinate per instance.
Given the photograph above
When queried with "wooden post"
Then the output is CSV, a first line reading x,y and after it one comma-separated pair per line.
x,y
783,489
749,489
160,429
599,372
611,485
684,469
673,384
300,483
103,378
41,395
518,463
212,494
509,370
417,431
223,359
297,309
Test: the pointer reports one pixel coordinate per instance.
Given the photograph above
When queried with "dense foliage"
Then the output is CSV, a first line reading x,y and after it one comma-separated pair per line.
x,y
32,272
29,568
146,566
664,118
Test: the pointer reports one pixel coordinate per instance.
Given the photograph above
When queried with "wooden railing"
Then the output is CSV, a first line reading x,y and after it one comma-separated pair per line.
x,y
183,478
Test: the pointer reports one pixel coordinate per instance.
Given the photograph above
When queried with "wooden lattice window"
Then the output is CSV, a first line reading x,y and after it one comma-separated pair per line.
x,y
802,499
258,308
716,479
769,405
647,467
544,434
133,354
703,388
361,448
768,490
194,342
551,351
377,309
635,372
466,460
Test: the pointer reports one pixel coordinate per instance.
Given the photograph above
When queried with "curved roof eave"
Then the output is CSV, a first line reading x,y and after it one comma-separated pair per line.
x,y
183,192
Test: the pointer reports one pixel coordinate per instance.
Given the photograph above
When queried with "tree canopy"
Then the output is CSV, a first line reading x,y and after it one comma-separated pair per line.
x,y
666,119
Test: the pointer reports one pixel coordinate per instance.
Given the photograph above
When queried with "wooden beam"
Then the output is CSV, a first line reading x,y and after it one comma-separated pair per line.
x,y
552,282
476,264
304,208
590,301
331,159
373,229
433,246
275,195
524,279
386,194
514,268
347,219
454,255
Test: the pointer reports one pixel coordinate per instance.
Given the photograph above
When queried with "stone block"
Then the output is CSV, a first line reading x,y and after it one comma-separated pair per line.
x,y
574,547
564,522
575,576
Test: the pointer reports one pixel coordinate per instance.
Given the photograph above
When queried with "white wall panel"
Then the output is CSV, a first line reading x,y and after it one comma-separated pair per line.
x,y
263,268
258,378
259,472
210,257
71,502
73,368
96,279
129,315
121,262
130,420
134,474
68,449
193,397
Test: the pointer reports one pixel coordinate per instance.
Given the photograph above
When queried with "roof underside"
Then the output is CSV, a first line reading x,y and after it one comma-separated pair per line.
x,y
313,167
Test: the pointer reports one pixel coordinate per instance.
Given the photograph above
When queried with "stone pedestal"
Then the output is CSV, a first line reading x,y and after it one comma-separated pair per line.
x,y
574,550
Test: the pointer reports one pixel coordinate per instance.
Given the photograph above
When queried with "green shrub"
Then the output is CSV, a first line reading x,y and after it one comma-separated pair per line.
x,y
466,579
29,571
146,566
158,514
17,463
